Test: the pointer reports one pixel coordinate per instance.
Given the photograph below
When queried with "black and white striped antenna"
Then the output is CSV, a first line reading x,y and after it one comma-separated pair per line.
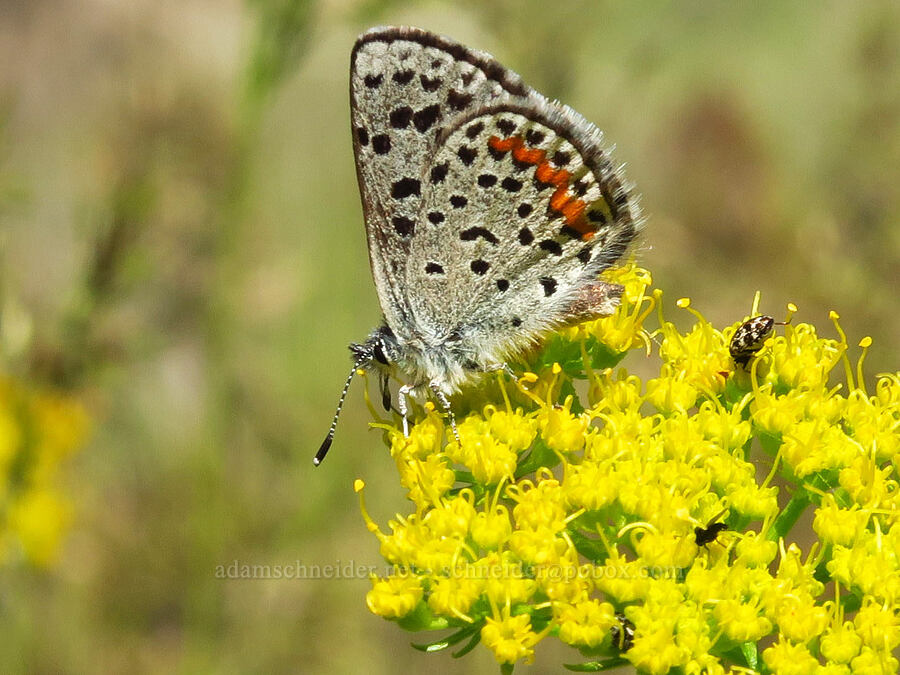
x,y
326,444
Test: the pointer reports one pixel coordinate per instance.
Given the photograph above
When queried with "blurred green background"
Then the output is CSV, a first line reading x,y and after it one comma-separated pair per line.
x,y
183,251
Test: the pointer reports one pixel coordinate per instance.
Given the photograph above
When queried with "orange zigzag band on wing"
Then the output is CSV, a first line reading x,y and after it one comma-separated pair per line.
x,y
563,202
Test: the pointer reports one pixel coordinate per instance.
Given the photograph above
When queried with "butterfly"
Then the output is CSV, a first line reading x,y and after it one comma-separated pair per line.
x,y
489,212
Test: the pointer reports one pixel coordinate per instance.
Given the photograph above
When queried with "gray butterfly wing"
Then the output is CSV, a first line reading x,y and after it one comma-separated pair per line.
x,y
406,86
522,209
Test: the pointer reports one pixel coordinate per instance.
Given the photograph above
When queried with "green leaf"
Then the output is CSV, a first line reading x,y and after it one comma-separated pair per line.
x,y
592,549
449,641
469,646
421,619
602,356
540,455
788,516
751,654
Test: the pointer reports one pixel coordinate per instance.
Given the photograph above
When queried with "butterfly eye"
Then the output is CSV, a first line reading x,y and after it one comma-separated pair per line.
x,y
378,353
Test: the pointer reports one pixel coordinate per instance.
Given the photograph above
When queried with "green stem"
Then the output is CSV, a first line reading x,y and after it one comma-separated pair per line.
x,y
788,516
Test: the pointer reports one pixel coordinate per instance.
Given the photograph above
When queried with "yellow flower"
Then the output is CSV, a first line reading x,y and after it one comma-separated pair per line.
x,y
835,525
585,623
622,580
570,507
394,597
670,549
786,658
801,360
756,551
38,520
504,578
670,393
489,460
453,596
513,429
38,431
799,618
590,485
509,637
840,644
810,446
539,506
878,626
561,430
874,662
490,529
741,622
655,649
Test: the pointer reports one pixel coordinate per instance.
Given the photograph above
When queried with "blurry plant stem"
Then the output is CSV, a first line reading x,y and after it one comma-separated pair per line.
x,y
65,361
279,43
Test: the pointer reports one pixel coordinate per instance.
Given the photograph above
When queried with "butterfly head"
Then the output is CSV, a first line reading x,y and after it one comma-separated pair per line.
x,y
379,351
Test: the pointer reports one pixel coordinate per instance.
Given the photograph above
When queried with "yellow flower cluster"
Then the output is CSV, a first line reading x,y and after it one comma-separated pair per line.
x,y
625,518
38,430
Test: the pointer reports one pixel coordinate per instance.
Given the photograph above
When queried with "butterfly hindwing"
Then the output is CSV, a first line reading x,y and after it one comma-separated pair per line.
x,y
406,86
527,211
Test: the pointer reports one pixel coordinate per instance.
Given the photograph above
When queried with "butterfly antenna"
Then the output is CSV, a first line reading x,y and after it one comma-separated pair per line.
x,y
326,444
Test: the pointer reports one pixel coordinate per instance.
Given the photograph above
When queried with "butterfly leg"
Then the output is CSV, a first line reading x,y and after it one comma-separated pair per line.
x,y
445,404
402,406
385,392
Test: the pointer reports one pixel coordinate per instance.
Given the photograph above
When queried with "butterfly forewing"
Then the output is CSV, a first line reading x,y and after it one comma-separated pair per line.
x,y
406,86
525,210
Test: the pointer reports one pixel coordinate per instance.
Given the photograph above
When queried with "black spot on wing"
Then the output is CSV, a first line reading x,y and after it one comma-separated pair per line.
x,y
510,184
381,144
439,172
400,117
551,246
534,137
430,84
403,226
596,216
507,126
458,99
426,117
474,233
480,267
561,158
405,187
474,129
495,153
467,155
525,236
